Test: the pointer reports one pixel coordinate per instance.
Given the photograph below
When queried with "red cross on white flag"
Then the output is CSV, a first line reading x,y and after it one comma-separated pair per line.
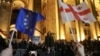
x,y
79,12
84,13
65,12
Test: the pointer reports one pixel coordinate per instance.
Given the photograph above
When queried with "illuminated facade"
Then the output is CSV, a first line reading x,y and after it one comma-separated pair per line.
x,y
52,21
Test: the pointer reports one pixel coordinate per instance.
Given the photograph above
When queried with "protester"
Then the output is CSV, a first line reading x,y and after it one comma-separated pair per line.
x,y
7,52
49,40
4,50
80,49
49,43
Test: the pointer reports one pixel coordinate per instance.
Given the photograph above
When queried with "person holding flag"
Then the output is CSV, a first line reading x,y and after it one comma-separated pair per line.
x,y
25,23
7,52
80,49
68,14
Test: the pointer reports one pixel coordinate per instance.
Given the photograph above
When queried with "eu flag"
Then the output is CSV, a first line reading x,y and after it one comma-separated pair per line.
x,y
26,21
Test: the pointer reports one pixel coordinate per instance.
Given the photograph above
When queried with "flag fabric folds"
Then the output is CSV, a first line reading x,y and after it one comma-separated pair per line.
x,y
26,21
84,13
65,12
78,12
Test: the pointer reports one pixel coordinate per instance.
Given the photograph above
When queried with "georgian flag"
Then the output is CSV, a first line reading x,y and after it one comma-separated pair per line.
x,y
79,12
84,13
65,12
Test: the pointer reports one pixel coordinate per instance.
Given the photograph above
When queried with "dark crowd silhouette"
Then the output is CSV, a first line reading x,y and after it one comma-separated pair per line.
x,y
54,48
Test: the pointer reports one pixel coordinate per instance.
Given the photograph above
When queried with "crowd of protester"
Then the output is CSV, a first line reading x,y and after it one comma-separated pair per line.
x,y
60,48
56,48
92,47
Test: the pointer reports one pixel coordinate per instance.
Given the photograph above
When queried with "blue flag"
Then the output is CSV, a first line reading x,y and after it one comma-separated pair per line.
x,y
26,21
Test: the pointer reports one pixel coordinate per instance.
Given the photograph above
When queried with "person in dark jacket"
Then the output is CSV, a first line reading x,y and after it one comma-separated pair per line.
x,y
49,43
49,40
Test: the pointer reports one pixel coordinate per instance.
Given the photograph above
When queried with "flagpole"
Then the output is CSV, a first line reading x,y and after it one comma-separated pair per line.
x,y
68,23
79,23
10,41
39,31
73,36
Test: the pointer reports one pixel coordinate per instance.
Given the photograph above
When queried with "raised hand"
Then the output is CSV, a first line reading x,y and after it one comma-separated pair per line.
x,y
7,52
80,49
